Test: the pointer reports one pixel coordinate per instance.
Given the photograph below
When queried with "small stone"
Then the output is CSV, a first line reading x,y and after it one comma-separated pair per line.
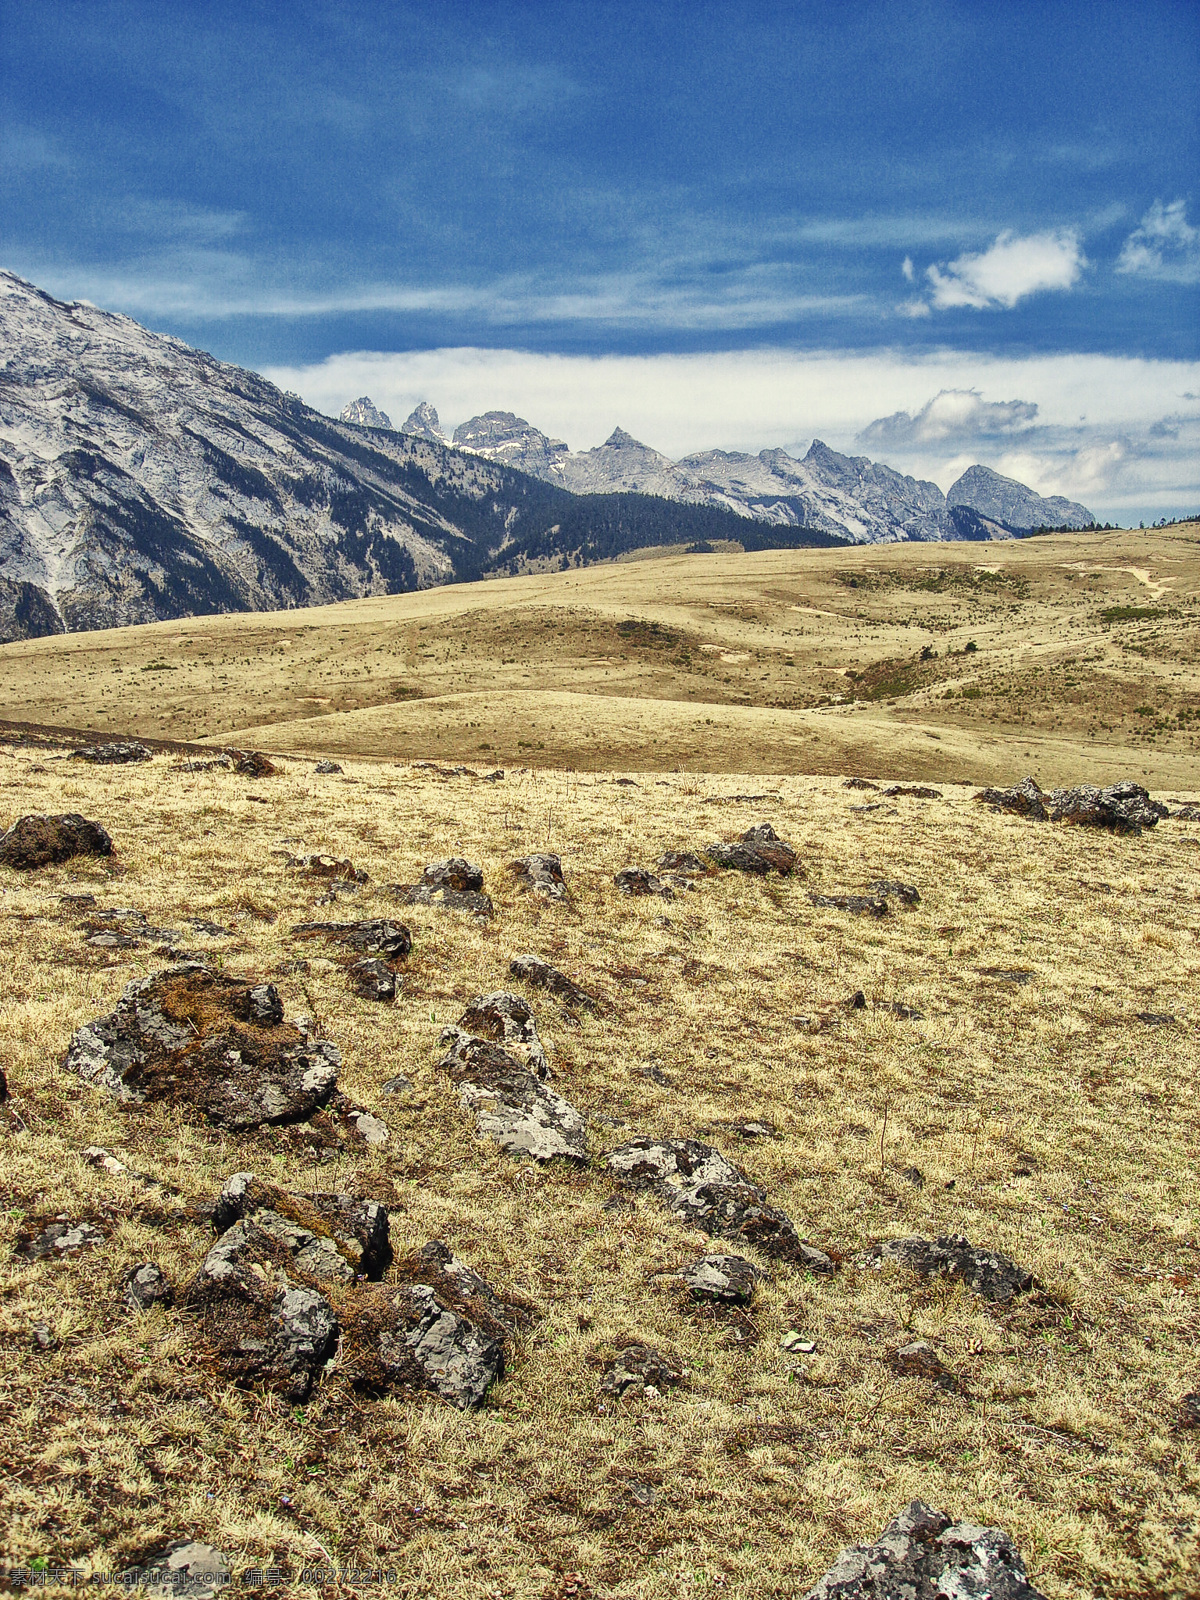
x,y
1155,1019
915,1176
58,1238
914,791
186,1568
341,869
96,1156
370,1129
920,1360
252,763
759,850
891,888
796,1344
989,1273
731,1279
637,881
146,1285
1189,1410
373,979
327,768
541,975
43,1336
859,783
398,1084
861,905
374,936
640,1369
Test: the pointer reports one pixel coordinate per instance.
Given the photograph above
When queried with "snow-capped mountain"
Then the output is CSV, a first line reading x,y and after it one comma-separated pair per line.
x,y
849,497
365,414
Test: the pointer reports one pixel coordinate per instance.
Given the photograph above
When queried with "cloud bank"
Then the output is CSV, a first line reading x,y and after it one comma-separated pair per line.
x,y
1084,429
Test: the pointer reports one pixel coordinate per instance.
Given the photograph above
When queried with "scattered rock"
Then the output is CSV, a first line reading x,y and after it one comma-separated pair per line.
x,y
57,1238
146,1285
318,866
1187,813
705,1191
122,927
541,975
860,783
1018,975
876,805
1121,807
498,1065
989,1273
656,1075
373,979
112,754
252,763
730,1279
921,1360
454,885
77,902
855,1002
860,904
42,841
1189,1410
683,864
1023,799
636,880
915,1176
365,1125
375,936
3,1086
923,1555
759,850
194,1037
439,1327
327,768
888,888
210,930
184,1569
640,1370
332,1236
223,762
753,1130
398,1084
915,791
43,1336
898,1008
541,873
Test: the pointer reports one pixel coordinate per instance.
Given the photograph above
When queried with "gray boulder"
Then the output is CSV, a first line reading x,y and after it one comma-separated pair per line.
x,y
333,1236
373,979
58,1238
759,850
989,1273
705,1191
453,885
637,881
542,874
924,1555
1023,799
1121,808
374,936
498,1065
190,1036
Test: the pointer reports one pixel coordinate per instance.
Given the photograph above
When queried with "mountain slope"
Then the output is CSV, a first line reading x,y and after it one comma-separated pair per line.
x,y
1011,504
141,479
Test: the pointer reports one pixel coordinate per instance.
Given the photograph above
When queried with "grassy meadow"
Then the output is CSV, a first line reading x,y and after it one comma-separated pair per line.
x,y
1045,1117
634,708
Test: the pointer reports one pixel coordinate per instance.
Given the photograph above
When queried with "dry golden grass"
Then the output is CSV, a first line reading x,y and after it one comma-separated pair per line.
x,y
1086,662
1047,1119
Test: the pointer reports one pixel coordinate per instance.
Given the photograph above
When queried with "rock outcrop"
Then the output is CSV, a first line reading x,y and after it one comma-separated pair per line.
x,y
926,1555
1014,506
374,936
988,1273
727,1279
498,1066
365,414
1121,807
759,850
453,885
44,841
640,1370
111,755
542,873
540,974
705,1191
194,1037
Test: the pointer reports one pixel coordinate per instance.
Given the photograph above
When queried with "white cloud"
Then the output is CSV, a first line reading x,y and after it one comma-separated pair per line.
x,y
906,267
951,414
1009,271
1164,245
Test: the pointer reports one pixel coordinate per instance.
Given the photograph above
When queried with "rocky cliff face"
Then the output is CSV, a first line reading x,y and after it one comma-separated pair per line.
x,y
422,423
503,436
1010,503
365,414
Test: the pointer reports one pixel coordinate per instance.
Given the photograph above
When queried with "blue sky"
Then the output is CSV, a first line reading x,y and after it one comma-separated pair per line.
x,y
738,225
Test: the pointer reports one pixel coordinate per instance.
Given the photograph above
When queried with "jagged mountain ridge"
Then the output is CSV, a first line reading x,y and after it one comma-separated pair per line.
x,y
141,479
848,497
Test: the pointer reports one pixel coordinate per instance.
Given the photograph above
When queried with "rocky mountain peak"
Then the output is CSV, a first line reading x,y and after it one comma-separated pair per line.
x,y
618,439
423,423
1010,503
365,414
503,436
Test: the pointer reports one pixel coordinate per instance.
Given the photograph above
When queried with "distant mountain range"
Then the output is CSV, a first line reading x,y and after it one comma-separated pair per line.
x,y
849,497
141,480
